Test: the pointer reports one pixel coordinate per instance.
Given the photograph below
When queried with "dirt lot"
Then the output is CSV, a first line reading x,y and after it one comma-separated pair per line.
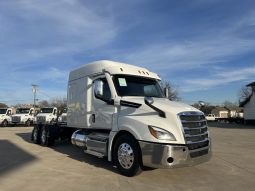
x,y
26,166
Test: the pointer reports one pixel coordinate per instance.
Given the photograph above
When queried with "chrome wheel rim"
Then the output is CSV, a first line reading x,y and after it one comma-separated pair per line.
x,y
125,155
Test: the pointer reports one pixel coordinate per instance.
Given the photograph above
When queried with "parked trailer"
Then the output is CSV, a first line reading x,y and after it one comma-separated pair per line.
x,y
118,111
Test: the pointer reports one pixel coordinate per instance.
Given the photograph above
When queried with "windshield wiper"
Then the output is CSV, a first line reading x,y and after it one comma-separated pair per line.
x,y
149,101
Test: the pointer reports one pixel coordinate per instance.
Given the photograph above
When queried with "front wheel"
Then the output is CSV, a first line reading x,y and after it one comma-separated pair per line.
x,y
127,155
46,139
5,123
28,123
36,134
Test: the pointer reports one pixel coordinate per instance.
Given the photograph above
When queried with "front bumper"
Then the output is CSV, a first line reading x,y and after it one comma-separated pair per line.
x,y
18,123
62,123
158,155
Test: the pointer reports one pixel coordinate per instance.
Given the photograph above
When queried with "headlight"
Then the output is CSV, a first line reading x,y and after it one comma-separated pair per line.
x,y
161,134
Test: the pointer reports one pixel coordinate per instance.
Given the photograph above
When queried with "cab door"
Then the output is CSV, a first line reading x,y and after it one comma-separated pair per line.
x,y
102,105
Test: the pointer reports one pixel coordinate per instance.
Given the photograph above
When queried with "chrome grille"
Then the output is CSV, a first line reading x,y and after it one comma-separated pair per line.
x,y
196,132
15,119
64,119
41,119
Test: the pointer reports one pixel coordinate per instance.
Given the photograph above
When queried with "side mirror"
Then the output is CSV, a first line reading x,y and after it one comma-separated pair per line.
x,y
201,103
98,88
148,100
166,92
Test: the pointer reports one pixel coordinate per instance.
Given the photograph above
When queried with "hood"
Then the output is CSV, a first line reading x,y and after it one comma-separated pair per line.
x,y
144,116
20,115
44,114
63,114
163,104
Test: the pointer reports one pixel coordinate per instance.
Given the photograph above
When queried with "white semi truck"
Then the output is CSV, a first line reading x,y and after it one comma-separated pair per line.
x,y
23,116
47,115
5,116
118,111
62,119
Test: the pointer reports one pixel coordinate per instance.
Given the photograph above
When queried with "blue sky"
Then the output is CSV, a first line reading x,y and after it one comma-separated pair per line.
x,y
204,47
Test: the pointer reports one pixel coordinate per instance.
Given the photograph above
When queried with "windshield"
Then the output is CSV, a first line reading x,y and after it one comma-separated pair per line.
x,y
137,86
22,110
46,110
3,111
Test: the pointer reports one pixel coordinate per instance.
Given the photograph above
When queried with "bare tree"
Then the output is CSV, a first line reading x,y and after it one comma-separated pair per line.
x,y
207,108
3,105
173,94
244,93
58,102
229,104
24,105
44,103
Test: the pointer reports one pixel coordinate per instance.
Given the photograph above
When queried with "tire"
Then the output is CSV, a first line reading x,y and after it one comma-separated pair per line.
x,y
5,123
52,122
127,156
28,123
46,139
36,134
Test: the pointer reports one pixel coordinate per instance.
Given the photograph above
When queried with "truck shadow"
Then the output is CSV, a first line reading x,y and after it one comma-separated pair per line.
x,y
65,147
12,157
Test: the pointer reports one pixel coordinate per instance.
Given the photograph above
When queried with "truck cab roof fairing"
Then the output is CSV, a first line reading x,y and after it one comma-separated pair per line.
x,y
111,67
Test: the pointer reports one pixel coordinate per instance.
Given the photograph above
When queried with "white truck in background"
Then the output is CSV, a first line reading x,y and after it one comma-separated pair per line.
x,y
210,117
5,116
119,111
23,116
47,115
62,119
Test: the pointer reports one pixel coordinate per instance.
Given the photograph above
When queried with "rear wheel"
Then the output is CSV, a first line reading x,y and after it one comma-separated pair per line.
x,y
127,155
